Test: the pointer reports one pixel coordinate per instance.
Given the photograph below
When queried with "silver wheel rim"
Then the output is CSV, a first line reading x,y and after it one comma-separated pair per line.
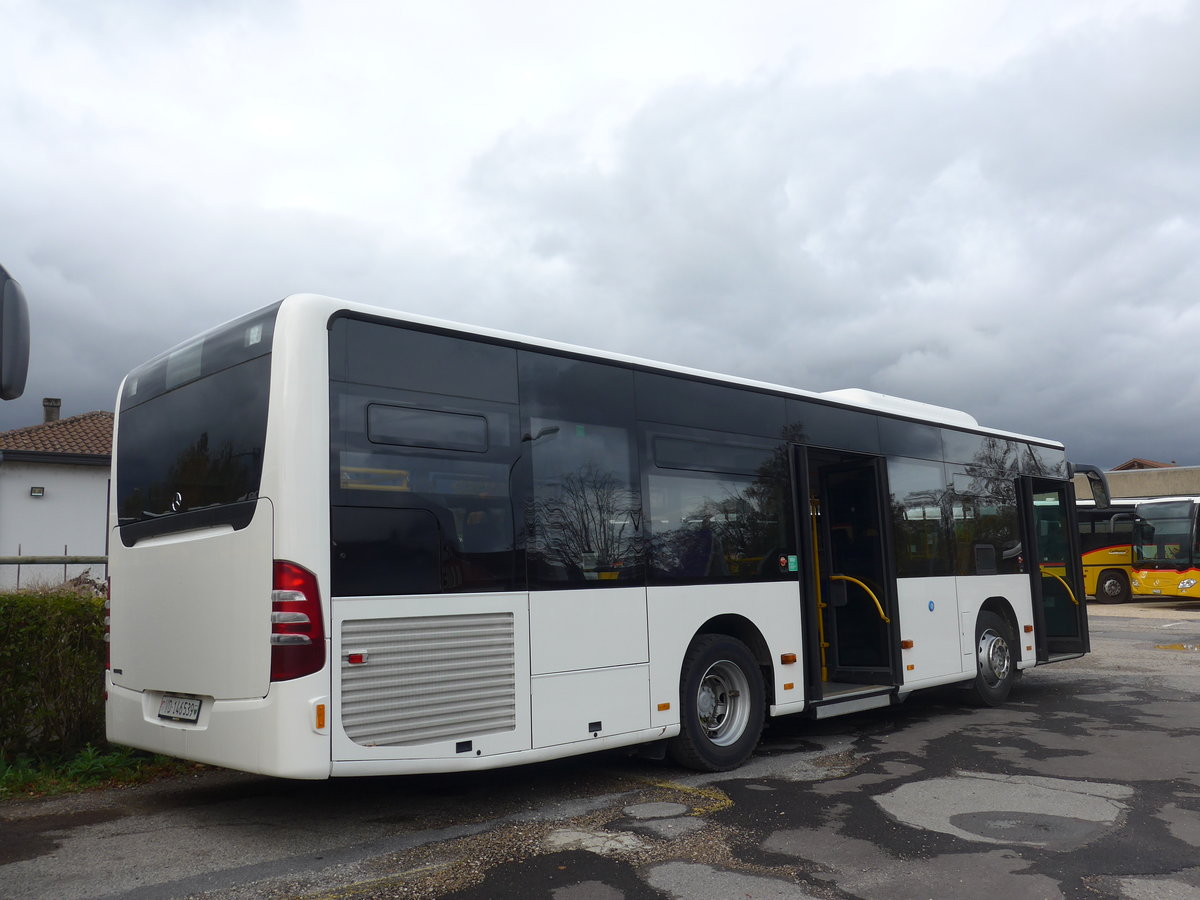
x,y
995,660
1112,587
723,703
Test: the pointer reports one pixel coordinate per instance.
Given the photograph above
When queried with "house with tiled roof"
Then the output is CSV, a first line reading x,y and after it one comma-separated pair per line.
x,y
1137,464
54,493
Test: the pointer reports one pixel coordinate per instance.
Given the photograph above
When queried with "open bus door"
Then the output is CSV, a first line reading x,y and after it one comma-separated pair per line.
x,y
1055,571
850,594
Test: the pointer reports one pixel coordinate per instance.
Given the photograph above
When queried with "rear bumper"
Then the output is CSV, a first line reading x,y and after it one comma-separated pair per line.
x,y
274,735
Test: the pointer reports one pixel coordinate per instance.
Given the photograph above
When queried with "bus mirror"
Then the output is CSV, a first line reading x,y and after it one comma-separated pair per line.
x,y
1098,484
14,337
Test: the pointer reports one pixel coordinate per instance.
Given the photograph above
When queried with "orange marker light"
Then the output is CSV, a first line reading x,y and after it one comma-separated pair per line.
x,y
789,686
663,707
320,716
787,658
906,645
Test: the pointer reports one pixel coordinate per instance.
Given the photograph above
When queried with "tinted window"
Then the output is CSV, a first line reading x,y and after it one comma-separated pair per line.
x,y
898,437
987,538
1045,461
992,455
412,427
427,471
386,551
243,339
584,512
717,510
681,401
391,356
920,504
832,426
709,456
187,452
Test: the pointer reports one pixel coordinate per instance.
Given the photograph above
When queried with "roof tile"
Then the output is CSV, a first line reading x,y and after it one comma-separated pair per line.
x,y
88,434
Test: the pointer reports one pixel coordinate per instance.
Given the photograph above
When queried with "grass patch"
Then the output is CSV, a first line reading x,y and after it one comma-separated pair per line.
x,y
91,767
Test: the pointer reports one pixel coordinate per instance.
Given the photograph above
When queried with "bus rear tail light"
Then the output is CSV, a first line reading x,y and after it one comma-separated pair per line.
x,y
297,635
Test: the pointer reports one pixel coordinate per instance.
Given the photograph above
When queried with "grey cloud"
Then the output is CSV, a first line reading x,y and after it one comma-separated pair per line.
x,y
1021,245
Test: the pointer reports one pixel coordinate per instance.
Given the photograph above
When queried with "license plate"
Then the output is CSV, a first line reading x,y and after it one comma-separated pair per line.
x,y
179,709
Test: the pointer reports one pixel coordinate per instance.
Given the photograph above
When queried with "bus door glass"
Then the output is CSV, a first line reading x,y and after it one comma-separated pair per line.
x,y
1054,567
852,593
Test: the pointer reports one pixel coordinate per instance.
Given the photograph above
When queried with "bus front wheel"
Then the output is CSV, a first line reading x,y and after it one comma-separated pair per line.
x,y
995,662
722,705
1112,587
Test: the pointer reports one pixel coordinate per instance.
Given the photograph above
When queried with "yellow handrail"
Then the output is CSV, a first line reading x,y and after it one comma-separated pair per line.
x,y
816,562
871,593
1070,593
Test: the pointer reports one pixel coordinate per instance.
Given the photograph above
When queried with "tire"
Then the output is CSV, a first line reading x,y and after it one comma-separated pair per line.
x,y
722,705
995,660
1112,587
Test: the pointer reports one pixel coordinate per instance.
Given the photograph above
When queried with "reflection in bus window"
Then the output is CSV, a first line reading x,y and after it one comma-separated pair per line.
x,y
584,515
987,536
919,501
714,527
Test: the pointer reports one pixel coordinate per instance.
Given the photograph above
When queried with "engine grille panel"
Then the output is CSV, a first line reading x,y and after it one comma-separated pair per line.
x,y
427,679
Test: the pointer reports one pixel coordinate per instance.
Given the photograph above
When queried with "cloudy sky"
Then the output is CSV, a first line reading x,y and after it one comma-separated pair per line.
x,y
993,206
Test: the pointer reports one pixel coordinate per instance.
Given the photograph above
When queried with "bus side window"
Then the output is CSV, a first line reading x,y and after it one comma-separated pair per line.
x,y
424,429
985,515
718,507
583,515
920,521
385,551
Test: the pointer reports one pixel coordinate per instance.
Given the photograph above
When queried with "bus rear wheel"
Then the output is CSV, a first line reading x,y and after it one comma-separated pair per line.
x,y
995,661
722,705
1112,587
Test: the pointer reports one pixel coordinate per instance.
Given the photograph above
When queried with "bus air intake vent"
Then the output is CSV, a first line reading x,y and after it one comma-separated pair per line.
x,y
428,679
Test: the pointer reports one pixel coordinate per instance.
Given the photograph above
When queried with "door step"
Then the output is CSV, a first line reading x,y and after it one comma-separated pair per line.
x,y
1059,657
840,707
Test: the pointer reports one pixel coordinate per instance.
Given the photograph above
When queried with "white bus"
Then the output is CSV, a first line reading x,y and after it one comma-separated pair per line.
x,y
347,541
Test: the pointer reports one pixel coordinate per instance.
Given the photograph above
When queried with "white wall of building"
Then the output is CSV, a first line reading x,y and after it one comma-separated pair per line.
x,y
71,514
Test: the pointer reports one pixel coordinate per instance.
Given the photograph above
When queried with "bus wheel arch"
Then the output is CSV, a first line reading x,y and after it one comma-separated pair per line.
x,y
996,653
722,699
1113,587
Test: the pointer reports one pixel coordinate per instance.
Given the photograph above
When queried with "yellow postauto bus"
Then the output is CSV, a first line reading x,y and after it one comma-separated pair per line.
x,y
1106,542
1166,558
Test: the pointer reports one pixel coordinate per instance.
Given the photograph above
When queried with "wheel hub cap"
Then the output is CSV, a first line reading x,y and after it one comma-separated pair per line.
x,y
994,659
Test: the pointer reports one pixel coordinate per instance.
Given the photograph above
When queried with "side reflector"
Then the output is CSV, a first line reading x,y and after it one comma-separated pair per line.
x,y
320,717
1029,629
789,686
906,645
911,667
663,707
787,658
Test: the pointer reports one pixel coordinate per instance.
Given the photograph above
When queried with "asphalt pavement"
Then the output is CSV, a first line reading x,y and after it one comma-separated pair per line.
x,y
1086,784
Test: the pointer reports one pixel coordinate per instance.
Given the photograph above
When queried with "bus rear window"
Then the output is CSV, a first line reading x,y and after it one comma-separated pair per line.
x,y
191,432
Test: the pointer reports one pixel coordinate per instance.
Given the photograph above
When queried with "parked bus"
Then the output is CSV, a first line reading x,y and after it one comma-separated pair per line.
x,y
1106,540
1167,562
346,541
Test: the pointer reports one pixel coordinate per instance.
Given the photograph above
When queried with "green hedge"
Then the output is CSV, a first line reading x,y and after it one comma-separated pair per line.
x,y
51,673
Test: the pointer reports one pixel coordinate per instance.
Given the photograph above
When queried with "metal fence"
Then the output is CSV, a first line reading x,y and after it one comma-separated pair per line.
x,y
63,561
